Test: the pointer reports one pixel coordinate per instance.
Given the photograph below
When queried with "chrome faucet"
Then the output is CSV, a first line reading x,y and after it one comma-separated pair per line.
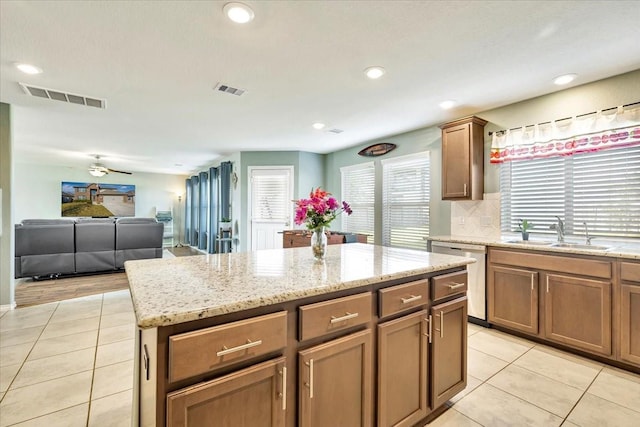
x,y
586,230
559,227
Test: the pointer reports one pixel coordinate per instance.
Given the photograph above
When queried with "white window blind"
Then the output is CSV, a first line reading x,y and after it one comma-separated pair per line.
x,y
600,188
358,186
405,201
270,195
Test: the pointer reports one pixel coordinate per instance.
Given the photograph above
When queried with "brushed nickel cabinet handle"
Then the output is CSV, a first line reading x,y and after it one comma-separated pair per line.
x,y
430,328
456,285
465,189
412,298
547,284
284,388
310,383
347,316
441,324
532,275
249,344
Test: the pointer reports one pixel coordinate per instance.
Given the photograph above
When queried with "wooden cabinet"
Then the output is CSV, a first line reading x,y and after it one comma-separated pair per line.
x,y
565,299
512,298
335,382
448,350
463,159
403,370
578,312
630,312
251,397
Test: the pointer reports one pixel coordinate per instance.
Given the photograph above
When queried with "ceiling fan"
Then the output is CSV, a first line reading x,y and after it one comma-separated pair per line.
x,y
98,169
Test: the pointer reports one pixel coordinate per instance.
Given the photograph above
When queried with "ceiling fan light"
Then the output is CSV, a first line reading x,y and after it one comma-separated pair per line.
x,y
96,172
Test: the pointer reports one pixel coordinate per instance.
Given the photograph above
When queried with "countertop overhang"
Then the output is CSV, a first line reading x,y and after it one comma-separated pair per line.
x,y
171,291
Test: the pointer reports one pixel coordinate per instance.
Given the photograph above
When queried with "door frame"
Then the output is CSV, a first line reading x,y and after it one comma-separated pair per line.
x,y
250,169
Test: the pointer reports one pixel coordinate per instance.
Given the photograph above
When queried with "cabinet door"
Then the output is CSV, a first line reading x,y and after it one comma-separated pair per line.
x,y
335,383
448,350
254,396
456,159
512,296
578,312
630,326
402,370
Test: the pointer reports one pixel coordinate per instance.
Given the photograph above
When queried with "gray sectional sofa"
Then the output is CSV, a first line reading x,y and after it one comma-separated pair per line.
x,y
54,247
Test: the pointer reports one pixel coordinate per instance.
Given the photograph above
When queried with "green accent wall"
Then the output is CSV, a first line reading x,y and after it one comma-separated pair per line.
x,y
7,251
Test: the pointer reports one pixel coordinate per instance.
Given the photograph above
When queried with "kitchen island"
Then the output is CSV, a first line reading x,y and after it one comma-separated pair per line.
x,y
372,335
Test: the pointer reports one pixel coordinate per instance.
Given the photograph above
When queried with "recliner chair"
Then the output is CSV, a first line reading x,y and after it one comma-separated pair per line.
x,y
138,238
44,247
95,245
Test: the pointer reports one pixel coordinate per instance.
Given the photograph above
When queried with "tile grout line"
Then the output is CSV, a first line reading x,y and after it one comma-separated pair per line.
x,y
95,358
27,356
583,393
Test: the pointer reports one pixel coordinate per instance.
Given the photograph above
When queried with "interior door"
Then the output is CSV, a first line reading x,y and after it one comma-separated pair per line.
x,y
270,204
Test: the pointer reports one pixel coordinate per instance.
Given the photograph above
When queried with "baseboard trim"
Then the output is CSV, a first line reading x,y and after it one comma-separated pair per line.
x,y
6,307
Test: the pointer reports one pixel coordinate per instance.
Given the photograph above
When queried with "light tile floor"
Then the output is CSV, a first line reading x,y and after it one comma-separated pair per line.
x,y
71,364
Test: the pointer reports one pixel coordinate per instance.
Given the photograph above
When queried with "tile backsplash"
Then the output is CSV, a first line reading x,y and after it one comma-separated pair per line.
x,y
478,218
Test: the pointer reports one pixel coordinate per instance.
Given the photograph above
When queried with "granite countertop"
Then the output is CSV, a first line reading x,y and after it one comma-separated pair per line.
x,y
615,249
171,291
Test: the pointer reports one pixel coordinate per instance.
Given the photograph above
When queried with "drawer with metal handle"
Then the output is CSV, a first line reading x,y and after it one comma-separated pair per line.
x,y
334,315
204,350
397,299
448,284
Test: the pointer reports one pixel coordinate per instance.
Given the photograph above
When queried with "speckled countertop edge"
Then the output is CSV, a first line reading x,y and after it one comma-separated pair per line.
x,y
177,290
616,250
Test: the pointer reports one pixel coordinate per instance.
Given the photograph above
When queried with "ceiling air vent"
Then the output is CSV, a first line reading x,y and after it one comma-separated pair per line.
x,y
221,87
336,131
58,95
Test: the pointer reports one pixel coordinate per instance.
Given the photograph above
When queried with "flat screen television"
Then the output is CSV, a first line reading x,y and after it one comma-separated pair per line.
x,y
98,200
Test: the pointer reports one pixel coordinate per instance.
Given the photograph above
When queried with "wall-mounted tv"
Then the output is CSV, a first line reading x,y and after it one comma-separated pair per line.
x,y
98,200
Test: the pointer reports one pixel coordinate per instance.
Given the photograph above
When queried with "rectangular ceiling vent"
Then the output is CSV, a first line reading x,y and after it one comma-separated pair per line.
x,y
221,87
336,131
58,95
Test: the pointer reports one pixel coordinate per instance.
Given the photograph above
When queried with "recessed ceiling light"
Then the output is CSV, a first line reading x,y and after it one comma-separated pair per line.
x,y
374,72
238,12
448,104
29,69
318,126
563,80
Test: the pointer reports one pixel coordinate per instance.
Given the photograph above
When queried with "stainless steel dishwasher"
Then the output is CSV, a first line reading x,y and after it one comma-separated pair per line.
x,y
476,292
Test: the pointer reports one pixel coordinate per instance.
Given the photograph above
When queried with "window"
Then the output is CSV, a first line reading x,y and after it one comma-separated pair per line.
x,y
358,185
600,188
405,201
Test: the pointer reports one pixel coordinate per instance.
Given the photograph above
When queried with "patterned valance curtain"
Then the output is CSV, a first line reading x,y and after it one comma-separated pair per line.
x,y
594,132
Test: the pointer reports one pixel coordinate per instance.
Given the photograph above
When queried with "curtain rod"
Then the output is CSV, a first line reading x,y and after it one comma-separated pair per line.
x,y
566,118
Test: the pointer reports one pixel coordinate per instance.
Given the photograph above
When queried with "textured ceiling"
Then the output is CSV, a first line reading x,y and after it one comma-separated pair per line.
x,y
156,64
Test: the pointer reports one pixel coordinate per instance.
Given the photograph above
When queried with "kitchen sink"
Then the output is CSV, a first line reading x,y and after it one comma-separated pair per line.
x,y
580,246
530,242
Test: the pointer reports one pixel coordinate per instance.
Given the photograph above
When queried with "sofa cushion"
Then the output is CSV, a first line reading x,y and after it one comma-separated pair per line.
x,y
95,236
44,239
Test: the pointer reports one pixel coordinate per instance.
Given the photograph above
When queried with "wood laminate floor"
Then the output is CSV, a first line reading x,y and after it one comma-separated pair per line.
x,y
29,292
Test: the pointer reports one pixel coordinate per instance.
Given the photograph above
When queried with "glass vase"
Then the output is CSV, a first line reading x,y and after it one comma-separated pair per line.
x,y
318,243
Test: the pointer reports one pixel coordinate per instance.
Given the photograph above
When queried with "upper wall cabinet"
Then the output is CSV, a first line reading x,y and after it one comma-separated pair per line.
x,y
463,159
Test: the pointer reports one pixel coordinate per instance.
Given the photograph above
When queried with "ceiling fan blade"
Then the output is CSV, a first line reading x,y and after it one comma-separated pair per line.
x,y
116,171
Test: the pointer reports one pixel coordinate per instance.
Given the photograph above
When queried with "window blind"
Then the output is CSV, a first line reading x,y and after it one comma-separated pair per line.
x,y
600,188
405,201
358,189
270,196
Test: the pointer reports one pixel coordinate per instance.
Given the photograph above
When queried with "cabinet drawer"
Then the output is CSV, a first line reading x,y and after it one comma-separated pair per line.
x,y
403,297
201,351
335,315
630,271
449,284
